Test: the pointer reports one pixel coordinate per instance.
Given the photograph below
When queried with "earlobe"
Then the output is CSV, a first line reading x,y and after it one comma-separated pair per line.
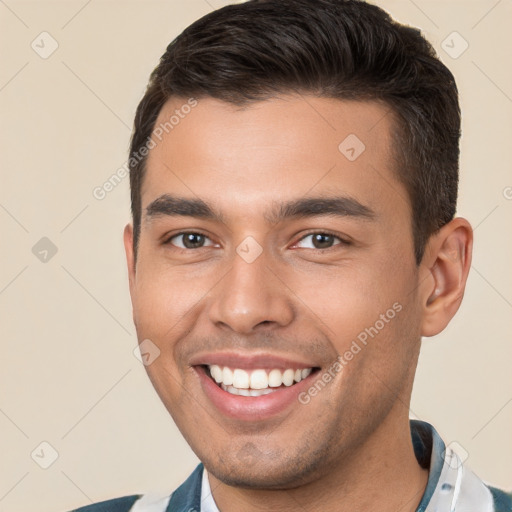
x,y
448,262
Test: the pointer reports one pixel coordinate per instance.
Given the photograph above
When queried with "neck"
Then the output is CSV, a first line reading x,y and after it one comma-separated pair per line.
x,y
384,474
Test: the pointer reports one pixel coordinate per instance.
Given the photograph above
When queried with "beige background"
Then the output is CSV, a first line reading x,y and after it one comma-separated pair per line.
x,y
68,373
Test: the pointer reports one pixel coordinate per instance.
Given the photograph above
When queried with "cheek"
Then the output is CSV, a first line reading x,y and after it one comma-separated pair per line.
x,y
164,296
350,298
368,314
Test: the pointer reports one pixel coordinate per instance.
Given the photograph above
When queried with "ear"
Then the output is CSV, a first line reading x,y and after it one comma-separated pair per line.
x,y
445,268
130,257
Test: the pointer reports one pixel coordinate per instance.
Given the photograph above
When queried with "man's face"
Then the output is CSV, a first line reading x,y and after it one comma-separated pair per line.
x,y
263,282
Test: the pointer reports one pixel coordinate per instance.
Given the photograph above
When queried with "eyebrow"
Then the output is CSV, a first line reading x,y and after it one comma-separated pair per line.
x,y
168,205
339,206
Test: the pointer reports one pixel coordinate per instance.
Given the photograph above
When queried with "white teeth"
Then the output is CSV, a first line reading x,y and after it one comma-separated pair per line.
x,y
230,389
216,373
305,373
259,379
256,382
246,392
227,376
260,392
240,379
275,378
288,376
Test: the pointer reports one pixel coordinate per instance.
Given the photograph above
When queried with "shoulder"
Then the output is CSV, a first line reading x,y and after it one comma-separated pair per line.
x,y
502,499
186,497
123,504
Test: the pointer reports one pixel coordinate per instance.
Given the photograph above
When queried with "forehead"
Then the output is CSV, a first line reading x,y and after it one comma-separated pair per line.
x,y
243,158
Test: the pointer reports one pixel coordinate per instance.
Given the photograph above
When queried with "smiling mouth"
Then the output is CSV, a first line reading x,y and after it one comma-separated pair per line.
x,y
237,381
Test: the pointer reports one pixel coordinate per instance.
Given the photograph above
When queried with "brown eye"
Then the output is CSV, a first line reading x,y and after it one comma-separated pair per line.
x,y
320,240
189,240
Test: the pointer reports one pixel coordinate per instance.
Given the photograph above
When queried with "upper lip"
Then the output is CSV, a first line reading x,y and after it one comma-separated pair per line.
x,y
250,361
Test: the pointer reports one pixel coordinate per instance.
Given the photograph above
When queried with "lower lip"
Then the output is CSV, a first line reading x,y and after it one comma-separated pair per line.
x,y
251,408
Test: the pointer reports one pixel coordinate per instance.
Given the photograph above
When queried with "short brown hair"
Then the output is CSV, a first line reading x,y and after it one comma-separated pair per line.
x,y
344,49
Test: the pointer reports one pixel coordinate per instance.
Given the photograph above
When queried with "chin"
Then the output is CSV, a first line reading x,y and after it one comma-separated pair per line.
x,y
251,469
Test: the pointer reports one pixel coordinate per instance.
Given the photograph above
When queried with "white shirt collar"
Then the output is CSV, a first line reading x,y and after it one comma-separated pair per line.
x,y
207,502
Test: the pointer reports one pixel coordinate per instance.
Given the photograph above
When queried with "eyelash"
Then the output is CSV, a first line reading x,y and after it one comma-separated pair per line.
x,y
342,241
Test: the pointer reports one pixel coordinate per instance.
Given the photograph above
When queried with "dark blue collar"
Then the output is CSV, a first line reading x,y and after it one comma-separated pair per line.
x,y
429,449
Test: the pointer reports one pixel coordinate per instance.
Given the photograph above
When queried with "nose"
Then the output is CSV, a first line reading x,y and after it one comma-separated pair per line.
x,y
251,297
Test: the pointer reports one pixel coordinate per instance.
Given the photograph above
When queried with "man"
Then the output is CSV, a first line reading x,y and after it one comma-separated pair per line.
x,y
294,170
